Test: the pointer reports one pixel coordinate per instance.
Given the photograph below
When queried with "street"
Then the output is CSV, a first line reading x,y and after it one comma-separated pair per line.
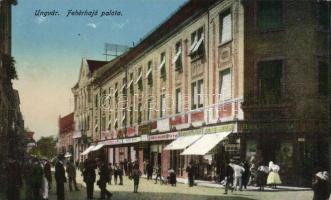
x,y
149,190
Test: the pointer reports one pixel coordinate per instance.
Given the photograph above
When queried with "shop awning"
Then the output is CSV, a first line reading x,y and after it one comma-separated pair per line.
x,y
88,150
182,142
96,148
205,144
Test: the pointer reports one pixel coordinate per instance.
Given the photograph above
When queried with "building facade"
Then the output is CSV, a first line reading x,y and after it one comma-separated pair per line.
x,y
220,80
66,133
83,106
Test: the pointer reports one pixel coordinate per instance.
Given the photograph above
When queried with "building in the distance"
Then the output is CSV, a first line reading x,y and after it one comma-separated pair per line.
x,y
83,106
66,133
220,79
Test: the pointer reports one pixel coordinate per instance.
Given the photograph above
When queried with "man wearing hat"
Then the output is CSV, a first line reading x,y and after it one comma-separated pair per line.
x,y
60,177
321,186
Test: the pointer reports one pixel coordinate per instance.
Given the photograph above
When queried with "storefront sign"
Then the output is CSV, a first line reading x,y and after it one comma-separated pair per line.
x,y
218,129
144,129
111,142
166,136
144,138
163,125
232,147
270,127
191,132
131,140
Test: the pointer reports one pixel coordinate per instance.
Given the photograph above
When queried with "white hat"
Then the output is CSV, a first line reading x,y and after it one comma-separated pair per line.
x,y
323,175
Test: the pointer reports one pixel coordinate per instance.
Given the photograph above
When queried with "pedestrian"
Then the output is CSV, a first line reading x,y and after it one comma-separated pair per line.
x,y
103,180
190,174
228,178
116,173
36,179
130,166
48,173
273,178
261,177
89,177
172,177
136,173
71,172
111,172
120,173
14,179
238,172
321,186
124,165
158,174
60,177
149,169
246,174
45,185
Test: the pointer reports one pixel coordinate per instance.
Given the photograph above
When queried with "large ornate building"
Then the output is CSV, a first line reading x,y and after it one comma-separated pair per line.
x,y
219,79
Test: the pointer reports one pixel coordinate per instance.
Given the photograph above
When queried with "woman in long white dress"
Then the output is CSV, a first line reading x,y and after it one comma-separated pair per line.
x,y
273,177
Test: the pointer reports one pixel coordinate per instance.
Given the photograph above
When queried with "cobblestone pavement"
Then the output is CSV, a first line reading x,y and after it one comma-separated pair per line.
x,y
150,191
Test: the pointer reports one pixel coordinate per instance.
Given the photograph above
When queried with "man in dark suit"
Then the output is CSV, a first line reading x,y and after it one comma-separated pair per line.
x,y
104,179
60,177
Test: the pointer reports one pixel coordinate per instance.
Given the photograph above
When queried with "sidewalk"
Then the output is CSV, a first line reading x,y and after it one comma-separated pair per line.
x,y
212,184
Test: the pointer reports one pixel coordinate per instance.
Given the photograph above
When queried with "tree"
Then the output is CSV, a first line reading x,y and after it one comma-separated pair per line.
x,y
46,147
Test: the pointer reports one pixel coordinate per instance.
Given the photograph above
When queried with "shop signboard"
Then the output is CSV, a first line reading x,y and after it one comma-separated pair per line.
x,y
163,125
269,126
160,137
232,147
219,129
144,129
198,131
131,140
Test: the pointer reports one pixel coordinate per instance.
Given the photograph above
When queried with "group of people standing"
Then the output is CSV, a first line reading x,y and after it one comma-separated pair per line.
x,y
239,175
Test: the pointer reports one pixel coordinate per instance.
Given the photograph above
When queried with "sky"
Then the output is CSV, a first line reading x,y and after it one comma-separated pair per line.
x,y
48,49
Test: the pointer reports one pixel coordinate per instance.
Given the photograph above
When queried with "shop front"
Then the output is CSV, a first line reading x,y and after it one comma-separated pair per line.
x,y
297,147
184,139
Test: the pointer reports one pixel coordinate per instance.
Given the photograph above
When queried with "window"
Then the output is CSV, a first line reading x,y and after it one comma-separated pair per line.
x,y
109,123
149,74
197,45
162,105
103,123
162,66
197,94
225,85
149,109
109,97
177,61
269,14
130,85
123,118
88,123
139,80
116,92
123,86
131,115
323,14
270,80
323,76
225,26
139,113
178,101
96,100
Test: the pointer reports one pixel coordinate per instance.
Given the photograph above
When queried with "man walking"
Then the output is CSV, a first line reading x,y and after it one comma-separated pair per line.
x,y
149,169
228,178
190,174
238,172
71,172
104,179
48,173
136,173
60,177
158,174
89,178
